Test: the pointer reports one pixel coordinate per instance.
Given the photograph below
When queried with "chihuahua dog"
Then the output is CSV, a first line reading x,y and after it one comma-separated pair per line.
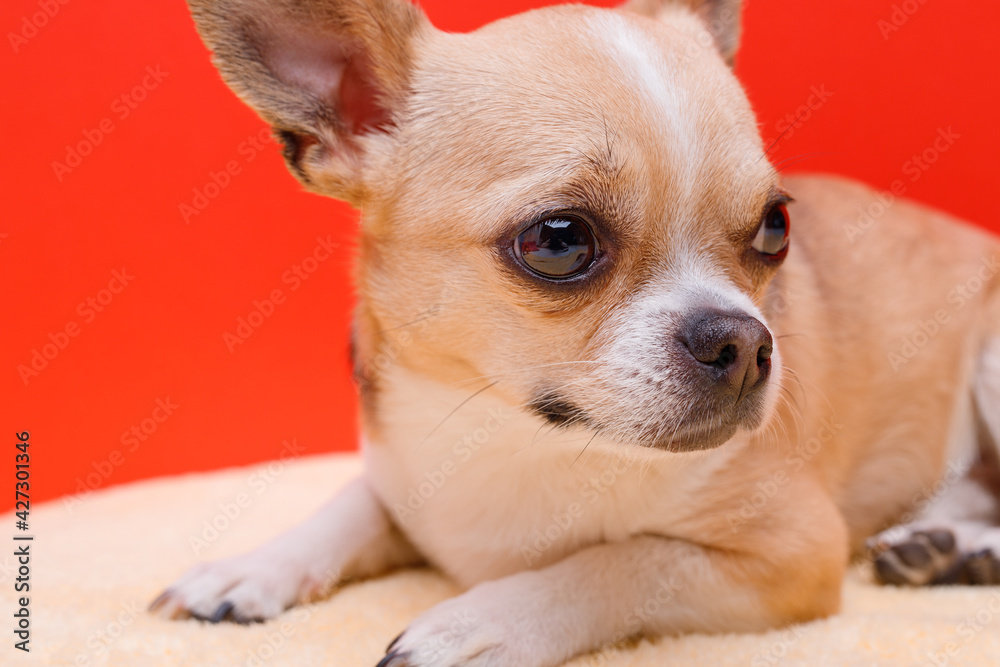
x,y
603,389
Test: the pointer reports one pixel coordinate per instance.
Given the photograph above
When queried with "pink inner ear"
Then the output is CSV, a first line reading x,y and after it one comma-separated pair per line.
x,y
360,106
333,68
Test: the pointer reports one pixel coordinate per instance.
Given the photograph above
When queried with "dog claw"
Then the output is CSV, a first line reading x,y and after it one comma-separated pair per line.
x,y
393,659
392,644
160,600
167,606
221,613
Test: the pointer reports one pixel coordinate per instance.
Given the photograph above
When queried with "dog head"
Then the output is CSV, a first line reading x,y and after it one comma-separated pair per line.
x,y
573,203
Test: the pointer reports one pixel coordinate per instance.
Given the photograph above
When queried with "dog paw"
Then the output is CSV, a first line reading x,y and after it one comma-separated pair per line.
x,y
444,637
910,556
981,568
252,587
484,627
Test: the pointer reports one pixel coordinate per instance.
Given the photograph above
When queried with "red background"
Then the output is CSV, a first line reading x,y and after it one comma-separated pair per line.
x,y
162,336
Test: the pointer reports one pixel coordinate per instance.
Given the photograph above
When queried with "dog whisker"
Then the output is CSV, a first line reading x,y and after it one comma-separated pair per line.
x,y
452,413
424,316
583,450
795,159
525,369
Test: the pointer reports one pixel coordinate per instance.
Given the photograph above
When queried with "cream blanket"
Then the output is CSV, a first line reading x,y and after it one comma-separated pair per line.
x,y
98,562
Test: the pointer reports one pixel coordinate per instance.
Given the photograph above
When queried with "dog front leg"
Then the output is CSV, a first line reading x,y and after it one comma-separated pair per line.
x,y
351,536
603,594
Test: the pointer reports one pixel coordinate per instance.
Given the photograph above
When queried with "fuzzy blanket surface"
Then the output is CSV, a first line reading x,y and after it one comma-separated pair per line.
x,y
97,562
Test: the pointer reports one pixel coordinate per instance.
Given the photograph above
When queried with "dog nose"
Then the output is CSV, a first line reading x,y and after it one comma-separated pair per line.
x,y
732,349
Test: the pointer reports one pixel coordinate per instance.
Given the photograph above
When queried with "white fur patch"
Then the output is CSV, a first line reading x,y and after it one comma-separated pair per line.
x,y
691,286
494,490
644,65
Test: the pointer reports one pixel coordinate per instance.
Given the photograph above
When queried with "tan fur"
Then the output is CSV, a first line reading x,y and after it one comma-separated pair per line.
x,y
721,18
635,118
248,39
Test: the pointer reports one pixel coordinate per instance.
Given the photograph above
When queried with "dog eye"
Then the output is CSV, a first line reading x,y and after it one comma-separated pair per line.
x,y
557,247
772,238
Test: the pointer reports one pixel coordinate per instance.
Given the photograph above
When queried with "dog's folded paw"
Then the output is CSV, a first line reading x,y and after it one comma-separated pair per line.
x,y
905,556
252,587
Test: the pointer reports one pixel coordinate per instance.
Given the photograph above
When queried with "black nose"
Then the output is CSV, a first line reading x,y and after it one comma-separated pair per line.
x,y
732,349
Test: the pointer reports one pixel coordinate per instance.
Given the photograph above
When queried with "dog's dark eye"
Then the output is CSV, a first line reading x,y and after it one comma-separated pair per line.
x,y
772,238
558,247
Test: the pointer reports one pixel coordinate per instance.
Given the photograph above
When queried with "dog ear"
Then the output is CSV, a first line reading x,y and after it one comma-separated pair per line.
x,y
328,75
721,17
